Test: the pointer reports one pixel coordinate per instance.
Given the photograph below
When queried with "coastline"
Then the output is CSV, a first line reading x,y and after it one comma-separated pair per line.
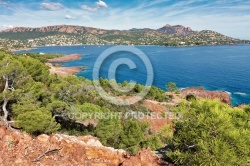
x,y
22,49
236,98
66,58
64,71
179,46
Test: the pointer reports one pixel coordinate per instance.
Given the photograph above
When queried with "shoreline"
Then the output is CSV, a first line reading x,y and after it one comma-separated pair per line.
x,y
179,46
22,49
64,71
66,58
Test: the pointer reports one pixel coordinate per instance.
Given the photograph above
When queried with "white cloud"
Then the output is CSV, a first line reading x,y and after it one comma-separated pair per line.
x,y
3,27
88,8
3,3
98,5
101,4
51,6
8,26
69,17
229,19
152,3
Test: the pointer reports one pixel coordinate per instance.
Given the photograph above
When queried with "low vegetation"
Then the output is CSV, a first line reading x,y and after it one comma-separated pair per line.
x,y
209,132
43,103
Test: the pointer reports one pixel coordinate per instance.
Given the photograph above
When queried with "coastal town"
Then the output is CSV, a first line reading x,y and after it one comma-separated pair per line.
x,y
21,38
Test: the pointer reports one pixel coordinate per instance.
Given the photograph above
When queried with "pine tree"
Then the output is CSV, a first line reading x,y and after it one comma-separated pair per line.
x,y
211,133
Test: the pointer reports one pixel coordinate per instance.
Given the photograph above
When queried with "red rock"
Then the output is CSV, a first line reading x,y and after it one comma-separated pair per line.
x,y
66,58
19,161
43,138
177,29
2,132
142,158
189,29
132,161
8,141
154,106
1,161
200,92
84,150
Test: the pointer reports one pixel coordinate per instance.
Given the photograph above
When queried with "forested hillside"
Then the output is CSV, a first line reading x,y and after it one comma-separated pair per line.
x,y
24,37
208,132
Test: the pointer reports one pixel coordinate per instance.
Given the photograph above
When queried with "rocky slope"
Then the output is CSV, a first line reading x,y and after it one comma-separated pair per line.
x,y
17,148
200,92
177,29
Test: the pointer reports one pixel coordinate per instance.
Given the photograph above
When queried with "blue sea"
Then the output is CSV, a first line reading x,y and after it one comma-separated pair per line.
x,y
220,68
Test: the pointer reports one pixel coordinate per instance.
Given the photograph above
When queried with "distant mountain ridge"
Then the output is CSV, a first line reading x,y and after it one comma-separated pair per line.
x,y
177,29
77,35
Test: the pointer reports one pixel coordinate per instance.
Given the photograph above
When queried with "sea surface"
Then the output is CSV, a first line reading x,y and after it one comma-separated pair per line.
x,y
220,68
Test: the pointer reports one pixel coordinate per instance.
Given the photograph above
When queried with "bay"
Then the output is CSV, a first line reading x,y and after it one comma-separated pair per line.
x,y
220,68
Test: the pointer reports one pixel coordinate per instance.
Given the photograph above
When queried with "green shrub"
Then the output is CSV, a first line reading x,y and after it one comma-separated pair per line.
x,y
171,87
190,97
36,122
166,133
211,133
153,142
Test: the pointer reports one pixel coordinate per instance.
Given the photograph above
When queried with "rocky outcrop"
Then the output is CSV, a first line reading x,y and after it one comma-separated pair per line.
x,y
156,120
66,58
143,158
17,148
200,92
154,106
177,29
65,71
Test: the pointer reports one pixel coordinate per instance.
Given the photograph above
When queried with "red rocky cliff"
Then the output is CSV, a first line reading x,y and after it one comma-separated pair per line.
x,y
17,148
200,92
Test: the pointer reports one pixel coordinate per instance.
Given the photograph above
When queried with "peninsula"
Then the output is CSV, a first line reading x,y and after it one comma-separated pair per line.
x,y
64,71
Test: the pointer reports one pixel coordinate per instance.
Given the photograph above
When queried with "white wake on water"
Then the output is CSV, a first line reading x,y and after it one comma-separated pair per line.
x,y
240,93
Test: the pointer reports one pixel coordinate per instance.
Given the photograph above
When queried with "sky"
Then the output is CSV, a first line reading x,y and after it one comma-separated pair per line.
x,y
229,17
